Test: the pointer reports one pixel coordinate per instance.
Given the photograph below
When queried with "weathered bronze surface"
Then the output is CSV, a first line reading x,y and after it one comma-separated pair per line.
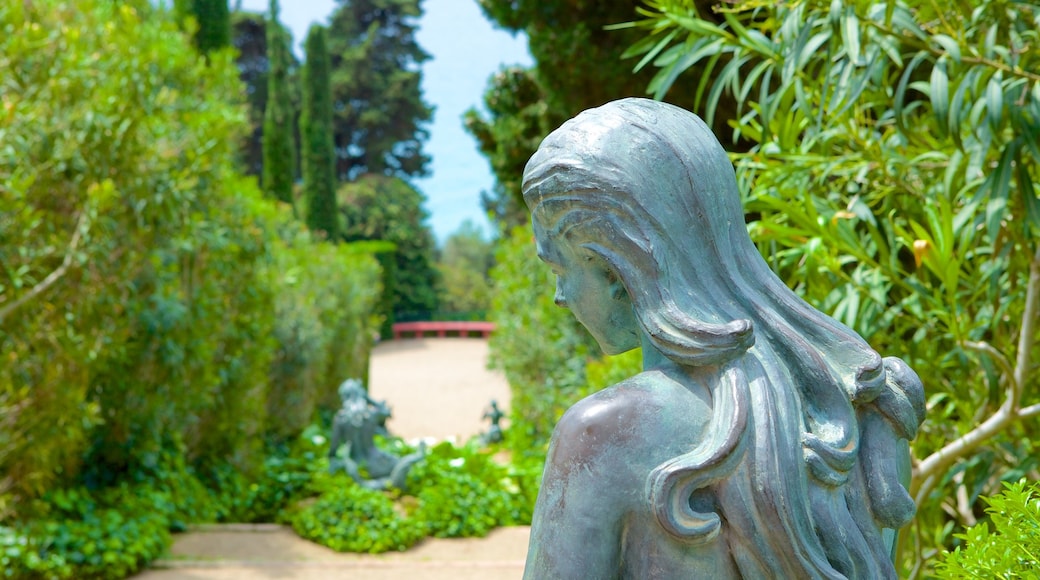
x,y
763,439
494,433
352,447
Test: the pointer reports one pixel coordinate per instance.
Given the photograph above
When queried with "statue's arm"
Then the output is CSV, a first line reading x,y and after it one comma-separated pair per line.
x,y
586,488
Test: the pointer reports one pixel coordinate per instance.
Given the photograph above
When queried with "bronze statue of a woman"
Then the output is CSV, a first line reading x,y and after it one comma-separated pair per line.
x,y
763,439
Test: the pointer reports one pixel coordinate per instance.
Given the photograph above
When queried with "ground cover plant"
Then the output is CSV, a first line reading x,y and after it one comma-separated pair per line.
x,y
454,492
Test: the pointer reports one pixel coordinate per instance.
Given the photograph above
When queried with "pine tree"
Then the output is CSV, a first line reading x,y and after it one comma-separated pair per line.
x,y
319,170
279,152
376,89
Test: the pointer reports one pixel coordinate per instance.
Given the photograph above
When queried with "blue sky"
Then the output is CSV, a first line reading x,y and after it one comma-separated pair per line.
x,y
465,51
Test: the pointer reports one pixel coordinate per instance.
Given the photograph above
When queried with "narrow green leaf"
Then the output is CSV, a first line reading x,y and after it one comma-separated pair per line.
x,y
990,42
1035,91
653,52
669,56
903,22
860,82
890,8
940,93
949,45
812,47
835,12
996,207
850,34
954,115
620,26
761,43
763,100
702,27
937,226
661,83
900,95
644,45
1030,132
995,101
1030,195
890,47
952,175
727,76
751,80
707,74
841,87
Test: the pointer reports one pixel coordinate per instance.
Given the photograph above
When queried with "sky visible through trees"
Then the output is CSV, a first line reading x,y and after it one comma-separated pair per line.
x,y
465,51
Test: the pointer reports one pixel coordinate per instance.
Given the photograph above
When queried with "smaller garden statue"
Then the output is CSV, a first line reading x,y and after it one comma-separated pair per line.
x,y
494,414
352,447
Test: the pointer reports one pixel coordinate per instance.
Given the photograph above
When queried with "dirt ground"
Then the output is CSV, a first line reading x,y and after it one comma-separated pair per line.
x,y
436,388
274,552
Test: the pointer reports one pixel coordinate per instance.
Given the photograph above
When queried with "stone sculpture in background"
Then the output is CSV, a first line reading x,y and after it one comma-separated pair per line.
x,y
352,447
494,414
763,438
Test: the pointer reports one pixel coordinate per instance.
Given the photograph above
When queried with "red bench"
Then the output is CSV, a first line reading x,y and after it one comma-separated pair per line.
x,y
442,328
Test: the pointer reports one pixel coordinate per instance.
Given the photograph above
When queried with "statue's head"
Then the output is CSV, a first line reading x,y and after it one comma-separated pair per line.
x,y
635,206
350,389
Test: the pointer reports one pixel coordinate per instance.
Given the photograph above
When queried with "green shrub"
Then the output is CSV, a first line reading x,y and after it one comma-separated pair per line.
x,y
1011,549
462,492
131,290
106,533
289,473
326,294
611,370
453,492
541,347
147,291
349,518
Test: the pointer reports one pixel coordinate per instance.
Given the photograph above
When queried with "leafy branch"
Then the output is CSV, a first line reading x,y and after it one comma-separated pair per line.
x,y
928,470
81,228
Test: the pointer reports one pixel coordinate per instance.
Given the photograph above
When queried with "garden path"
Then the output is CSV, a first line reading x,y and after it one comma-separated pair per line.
x,y
436,388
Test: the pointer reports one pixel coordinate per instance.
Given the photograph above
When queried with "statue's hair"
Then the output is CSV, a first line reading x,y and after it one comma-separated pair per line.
x,y
798,452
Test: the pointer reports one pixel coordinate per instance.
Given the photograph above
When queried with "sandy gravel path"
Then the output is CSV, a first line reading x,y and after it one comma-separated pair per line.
x,y
436,388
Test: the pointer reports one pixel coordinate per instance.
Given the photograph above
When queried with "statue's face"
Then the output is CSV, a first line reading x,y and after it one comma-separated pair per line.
x,y
586,286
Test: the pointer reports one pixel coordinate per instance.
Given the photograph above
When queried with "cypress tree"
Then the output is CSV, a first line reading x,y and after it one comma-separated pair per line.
x,y
319,164
279,153
214,25
213,19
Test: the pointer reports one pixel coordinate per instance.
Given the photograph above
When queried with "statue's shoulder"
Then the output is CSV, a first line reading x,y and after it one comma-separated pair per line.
x,y
631,417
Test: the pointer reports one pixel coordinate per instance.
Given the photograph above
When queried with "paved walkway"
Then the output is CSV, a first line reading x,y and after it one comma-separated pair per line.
x,y
436,388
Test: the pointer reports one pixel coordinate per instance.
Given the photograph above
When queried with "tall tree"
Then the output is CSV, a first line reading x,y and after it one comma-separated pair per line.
x,y
377,98
578,60
319,170
465,265
214,25
213,20
519,119
579,64
376,207
279,151
249,37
